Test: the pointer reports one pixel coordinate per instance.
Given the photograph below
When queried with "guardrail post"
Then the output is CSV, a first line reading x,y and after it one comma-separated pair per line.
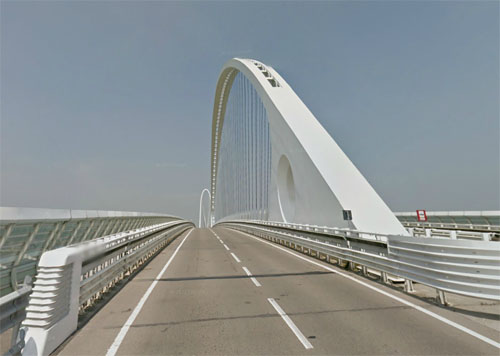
x,y
352,266
486,236
441,297
428,232
384,278
409,286
453,234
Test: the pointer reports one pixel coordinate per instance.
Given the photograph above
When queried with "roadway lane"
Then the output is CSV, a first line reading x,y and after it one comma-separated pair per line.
x,y
226,298
206,304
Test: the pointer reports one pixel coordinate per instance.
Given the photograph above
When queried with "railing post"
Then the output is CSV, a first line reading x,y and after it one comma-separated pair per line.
x,y
385,279
409,286
441,297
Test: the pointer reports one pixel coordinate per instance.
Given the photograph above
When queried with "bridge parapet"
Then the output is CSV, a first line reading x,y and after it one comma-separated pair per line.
x,y
26,233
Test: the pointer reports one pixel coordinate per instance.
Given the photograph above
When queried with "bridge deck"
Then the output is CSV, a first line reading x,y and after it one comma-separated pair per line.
x,y
205,303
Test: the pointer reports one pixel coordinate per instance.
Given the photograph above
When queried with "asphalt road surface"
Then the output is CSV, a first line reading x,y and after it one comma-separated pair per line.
x,y
218,291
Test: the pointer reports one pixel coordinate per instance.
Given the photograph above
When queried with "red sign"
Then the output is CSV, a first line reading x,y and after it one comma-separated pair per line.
x,y
421,215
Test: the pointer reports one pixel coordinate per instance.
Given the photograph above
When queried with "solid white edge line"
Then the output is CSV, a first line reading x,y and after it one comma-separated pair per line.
x,y
405,302
255,281
290,324
235,257
123,332
225,246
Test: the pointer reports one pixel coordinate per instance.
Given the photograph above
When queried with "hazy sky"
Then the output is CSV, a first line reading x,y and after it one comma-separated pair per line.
x,y
107,105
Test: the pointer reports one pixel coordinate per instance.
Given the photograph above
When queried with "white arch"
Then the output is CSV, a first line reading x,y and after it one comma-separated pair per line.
x,y
318,178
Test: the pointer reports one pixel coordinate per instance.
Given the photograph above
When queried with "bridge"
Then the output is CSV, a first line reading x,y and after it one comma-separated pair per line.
x,y
294,253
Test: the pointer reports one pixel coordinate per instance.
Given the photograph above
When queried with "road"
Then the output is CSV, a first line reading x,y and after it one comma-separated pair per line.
x,y
218,291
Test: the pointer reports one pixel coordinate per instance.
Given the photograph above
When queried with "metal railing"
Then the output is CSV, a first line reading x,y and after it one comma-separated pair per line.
x,y
453,233
26,233
12,313
486,221
466,267
72,278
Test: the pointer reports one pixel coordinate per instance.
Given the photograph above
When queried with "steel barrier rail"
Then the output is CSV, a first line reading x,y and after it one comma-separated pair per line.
x,y
26,233
452,233
350,233
448,226
487,221
72,278
465,267
12,313
315,229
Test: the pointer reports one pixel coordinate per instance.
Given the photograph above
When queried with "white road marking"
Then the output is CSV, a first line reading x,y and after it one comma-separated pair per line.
x,y
291,324
123,332
235,257
225,246
256,282
401,300
215,234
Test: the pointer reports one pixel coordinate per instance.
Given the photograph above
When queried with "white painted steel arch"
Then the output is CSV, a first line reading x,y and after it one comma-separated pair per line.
x,y
312,180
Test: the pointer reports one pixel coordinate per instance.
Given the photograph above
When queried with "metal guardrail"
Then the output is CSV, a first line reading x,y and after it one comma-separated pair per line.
x,y
486,221
26,233
449,226
453,233
72,278
470,268
351,233
12,313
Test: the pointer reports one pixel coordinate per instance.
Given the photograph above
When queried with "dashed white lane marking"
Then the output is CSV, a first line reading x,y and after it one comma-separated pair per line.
x,y
218,238
256,282
291,324
123,332
225,246
235,257
401,300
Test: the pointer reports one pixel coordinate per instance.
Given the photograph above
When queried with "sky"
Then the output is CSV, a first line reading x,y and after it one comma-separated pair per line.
x,y
107,105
